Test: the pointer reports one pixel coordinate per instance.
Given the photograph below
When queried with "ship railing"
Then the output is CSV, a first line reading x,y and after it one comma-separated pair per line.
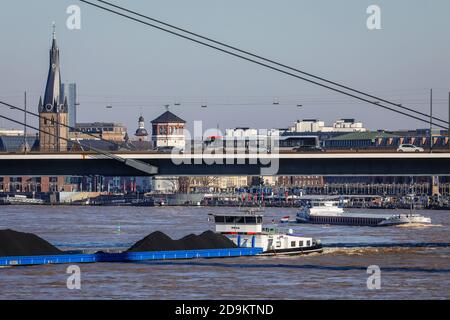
x,y
251,211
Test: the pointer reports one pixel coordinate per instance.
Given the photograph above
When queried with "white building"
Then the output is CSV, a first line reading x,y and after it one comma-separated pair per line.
x,y
315,125
308,125
165,184
168,131
252,138
348,125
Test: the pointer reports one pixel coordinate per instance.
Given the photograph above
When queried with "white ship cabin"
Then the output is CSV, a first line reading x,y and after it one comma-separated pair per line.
x,y
325,207
239,223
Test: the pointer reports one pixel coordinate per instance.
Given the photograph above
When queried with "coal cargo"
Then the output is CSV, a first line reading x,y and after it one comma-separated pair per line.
x,y
14,243
158,241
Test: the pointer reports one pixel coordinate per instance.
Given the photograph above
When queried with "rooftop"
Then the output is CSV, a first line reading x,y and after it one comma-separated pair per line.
x,y
98,124
168,117
141,132
16,143
368,135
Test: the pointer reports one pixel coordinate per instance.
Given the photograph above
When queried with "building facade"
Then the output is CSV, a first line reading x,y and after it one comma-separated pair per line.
x,y
69,92
340,125
300,181
386,140
105,130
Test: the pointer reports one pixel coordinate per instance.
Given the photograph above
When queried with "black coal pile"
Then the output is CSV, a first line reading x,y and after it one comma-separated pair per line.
x,y
158,241
14,243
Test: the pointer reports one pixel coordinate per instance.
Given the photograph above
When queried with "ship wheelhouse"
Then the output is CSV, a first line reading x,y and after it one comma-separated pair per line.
x,y
235,223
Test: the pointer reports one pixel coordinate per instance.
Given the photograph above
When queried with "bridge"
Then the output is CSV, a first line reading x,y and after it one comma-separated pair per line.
x,y
305,164
142,164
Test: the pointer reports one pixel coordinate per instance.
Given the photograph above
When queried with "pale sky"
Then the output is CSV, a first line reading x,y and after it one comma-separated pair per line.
x,y
137,69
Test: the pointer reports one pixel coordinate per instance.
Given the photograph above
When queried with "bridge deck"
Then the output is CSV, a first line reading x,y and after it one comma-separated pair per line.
x,y
317,164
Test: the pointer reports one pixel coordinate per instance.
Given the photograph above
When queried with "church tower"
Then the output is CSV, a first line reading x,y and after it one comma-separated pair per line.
x,y
141,133
53,110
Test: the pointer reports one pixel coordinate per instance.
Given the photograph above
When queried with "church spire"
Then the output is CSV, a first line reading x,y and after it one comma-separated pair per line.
x,y
53,86
53,120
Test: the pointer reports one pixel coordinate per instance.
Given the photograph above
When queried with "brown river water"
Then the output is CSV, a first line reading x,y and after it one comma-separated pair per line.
x,y
414,261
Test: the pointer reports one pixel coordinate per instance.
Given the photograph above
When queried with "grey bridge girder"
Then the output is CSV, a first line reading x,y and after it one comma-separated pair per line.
x,y
320,165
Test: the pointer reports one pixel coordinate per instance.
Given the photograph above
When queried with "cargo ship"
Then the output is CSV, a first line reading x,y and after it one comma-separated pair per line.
x,y
329,212
246,230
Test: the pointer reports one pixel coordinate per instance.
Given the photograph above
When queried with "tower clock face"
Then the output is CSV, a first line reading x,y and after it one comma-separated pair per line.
x,y
53,66
61,108
48,107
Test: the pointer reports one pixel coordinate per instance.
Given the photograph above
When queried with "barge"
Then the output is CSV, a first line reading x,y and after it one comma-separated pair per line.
x,y
329,212
126,256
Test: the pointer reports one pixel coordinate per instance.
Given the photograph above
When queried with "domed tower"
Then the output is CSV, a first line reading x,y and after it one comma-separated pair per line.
x,y
53,111
141,133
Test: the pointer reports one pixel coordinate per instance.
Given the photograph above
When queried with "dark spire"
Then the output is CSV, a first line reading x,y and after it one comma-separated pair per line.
x,y
53,87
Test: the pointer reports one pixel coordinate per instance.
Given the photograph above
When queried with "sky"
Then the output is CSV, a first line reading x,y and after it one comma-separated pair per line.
x,y
138,69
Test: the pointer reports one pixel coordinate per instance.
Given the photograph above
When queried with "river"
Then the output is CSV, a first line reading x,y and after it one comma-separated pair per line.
x,y
414,261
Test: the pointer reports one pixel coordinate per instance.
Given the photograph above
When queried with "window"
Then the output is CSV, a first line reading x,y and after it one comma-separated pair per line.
x,y
229,219
219,219
292,243
250,220
308,243
300,243
239,220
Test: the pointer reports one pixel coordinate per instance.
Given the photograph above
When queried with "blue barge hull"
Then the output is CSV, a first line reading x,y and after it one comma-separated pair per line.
x,y
127,256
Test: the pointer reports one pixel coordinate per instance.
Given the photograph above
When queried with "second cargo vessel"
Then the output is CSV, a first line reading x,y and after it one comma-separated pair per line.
x,y
329,212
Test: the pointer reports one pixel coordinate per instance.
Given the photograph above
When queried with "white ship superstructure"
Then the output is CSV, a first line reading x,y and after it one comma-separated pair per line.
x,y
329,212
246,229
